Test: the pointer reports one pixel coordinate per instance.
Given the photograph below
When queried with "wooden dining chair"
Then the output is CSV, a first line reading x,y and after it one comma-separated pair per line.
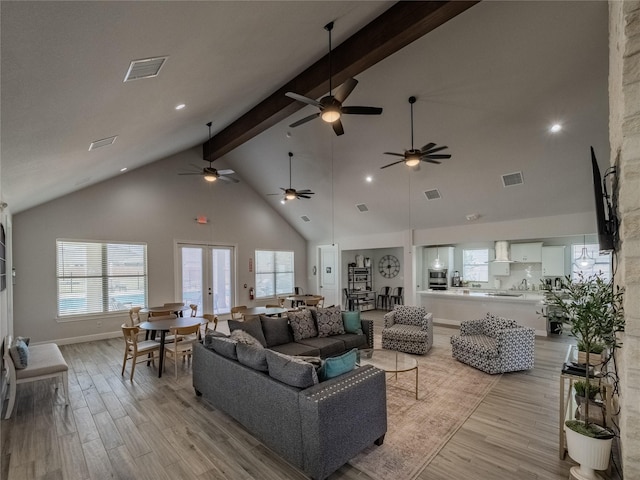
x,y
236,312
135,348
134,316
271,305
317,302
211,319
184,348
194,309
163,313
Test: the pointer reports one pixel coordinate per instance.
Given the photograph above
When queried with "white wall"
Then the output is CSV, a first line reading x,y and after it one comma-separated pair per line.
x,y
153,205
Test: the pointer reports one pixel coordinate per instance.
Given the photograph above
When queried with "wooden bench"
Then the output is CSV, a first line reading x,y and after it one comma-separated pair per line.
x,y
45,361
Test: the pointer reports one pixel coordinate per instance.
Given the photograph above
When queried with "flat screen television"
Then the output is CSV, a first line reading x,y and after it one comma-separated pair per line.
x,y
606,226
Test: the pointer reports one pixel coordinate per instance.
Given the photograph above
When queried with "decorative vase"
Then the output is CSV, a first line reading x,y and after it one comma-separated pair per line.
x,y
591,453
359,261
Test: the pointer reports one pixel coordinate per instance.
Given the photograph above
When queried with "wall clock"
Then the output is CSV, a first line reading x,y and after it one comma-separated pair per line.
x,y
389,266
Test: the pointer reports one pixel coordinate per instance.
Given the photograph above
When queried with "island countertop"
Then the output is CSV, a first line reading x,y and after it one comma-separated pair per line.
x,y
450,307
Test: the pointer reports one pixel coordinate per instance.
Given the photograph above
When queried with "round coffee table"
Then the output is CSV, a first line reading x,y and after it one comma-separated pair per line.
x,y
390,361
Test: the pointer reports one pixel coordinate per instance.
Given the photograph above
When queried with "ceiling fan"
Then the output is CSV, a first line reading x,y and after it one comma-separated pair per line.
x,y
413,157
209,173
291,193
330,106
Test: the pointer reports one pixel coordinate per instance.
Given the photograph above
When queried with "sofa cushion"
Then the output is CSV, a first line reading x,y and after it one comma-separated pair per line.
x,y
410,333
252,326
276,330
353,340
334,366
302,325
19,353
295,348
253,356
241,336
409,314
493,323
224,346
351,322
328,346
290,370
329,321
481,345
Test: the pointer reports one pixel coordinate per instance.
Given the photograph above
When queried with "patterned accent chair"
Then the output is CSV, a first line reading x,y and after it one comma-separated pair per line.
x,y
408,329
494,345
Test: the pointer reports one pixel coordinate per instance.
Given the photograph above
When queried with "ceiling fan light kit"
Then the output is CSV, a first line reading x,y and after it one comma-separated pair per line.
x,y
291,193
209,173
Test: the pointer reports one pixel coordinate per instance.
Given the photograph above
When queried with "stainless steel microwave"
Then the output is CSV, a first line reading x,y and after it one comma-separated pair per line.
x,y
438,279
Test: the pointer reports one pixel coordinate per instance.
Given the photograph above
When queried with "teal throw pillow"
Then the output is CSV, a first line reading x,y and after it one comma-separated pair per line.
x,y
334,366
19,354
351,321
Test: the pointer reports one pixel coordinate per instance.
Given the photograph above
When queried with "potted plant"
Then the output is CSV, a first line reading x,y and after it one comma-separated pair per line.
x,y
592,309
595,404
596,348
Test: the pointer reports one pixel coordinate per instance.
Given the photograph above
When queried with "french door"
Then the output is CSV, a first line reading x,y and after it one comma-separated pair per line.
x,y
207,277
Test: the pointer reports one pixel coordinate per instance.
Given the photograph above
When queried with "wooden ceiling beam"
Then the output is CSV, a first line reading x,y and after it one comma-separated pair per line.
x,y
397,27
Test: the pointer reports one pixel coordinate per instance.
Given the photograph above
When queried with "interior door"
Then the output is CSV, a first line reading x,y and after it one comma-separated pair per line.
x,y
207,277
329,287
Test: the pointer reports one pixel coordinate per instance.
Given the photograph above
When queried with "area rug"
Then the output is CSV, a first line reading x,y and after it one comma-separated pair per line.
x,y
449,392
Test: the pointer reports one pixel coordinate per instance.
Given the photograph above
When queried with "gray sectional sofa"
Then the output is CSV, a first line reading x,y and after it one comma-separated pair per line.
x,y
316,427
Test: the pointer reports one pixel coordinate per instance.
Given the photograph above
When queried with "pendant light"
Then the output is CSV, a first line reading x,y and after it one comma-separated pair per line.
x,y
437,264
584,260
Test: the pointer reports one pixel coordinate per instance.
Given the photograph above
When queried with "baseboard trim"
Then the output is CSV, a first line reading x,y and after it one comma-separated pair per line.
x,y
84,338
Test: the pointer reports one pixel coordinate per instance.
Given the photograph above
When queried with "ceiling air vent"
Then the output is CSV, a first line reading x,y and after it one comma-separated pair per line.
x,y
511,179
433,194
362,207
305,218
145,68
105,142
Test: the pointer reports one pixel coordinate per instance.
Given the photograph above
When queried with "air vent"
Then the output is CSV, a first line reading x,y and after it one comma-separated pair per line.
x,y
362,207
145,68
433,194
105,142
511,179
305,218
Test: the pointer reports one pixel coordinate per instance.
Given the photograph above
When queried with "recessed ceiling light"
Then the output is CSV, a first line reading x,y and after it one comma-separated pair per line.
x,y
555,128
123,169
283,201
180,106
369,179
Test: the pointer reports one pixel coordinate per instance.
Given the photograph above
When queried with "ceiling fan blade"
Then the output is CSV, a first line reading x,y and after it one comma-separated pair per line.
x,y
307,100
337,127
396,154
228,179
304,120
226,172
431,161
394,163
306,191
344,90
433,150
361,110
303,196
274,194
438,155
428,146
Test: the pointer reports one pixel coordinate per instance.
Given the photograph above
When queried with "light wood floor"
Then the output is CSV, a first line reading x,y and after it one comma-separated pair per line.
x,y
158,429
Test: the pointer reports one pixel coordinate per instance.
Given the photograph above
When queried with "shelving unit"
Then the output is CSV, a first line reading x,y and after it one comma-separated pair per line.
x,y
361,286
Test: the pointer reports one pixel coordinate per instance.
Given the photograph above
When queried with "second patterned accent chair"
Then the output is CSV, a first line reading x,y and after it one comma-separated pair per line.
x,y
494,345
408,329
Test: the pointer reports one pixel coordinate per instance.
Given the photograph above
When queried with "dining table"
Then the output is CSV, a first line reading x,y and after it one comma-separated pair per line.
x,y
175,309
268,311
301,299
165,325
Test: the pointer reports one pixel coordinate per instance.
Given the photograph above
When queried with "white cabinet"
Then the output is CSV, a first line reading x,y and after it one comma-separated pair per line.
x,y
553,261
499,269
526,252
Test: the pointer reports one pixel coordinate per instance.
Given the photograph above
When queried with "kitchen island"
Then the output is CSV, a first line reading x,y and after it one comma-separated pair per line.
x,y
450,307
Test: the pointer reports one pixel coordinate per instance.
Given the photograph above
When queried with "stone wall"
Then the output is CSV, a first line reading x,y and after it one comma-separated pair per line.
x,y
624,104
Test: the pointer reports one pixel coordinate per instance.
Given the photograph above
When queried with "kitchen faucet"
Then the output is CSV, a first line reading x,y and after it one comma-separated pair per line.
x,y
524,282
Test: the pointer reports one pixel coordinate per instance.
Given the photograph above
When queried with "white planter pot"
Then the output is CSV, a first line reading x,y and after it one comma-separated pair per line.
x,y
591,453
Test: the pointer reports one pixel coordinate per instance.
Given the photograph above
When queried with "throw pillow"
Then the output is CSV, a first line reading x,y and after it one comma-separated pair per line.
x,y
329,321
210,334
334,366
224,346
276,330
19,354
241,336
351,321
252,326
253,356
24,339
409,314
291,370
302,325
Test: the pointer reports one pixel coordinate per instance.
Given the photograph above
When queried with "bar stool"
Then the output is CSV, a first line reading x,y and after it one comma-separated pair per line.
x,y
397,298
383,298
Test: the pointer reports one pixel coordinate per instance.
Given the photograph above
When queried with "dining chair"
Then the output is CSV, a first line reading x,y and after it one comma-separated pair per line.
x,y
397,297
383,298
134,316
175,307
194,309
135,348
317,302
352,302
163,313
210,318
298,290
169,338
236,312
271,305
282,301
183,348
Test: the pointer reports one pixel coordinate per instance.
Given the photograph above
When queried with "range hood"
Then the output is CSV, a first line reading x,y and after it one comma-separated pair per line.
x,y
502,252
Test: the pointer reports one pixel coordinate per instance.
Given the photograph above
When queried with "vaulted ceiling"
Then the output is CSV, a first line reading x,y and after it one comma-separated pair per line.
x,y
489,83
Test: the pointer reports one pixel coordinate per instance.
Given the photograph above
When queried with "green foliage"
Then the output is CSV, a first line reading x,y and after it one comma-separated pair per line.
x,y
581,387
589,429
596,348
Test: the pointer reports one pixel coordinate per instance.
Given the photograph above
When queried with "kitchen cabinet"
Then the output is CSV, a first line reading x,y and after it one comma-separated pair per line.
x,y
553,261
526,252
500,269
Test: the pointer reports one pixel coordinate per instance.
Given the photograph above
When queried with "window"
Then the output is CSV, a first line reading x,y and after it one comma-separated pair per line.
x,y
475,265
95,277
602,265
274,273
